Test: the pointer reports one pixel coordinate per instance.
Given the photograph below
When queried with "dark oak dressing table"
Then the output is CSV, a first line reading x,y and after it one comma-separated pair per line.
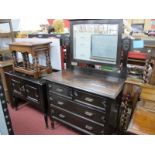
x,y
85,101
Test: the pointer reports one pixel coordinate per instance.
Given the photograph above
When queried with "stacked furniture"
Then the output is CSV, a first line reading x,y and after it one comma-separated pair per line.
x,y
25,81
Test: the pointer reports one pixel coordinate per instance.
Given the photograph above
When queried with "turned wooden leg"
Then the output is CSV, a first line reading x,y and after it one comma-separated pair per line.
x,y
15,103
52,120
46,120
48,62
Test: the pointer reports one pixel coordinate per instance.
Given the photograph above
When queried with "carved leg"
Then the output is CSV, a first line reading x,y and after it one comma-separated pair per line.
x,y
52,120
46,120
48,62
15,102
27,60
24,60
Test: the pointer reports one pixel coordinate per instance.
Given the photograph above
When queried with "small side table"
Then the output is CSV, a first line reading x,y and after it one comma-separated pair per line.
x,y
31,90
31,50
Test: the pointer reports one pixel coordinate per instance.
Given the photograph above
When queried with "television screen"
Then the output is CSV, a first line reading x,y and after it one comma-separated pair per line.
x,y
95,42
138,44
138,28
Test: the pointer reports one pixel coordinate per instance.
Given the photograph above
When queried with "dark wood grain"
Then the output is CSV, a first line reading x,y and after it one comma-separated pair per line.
x,y
102,85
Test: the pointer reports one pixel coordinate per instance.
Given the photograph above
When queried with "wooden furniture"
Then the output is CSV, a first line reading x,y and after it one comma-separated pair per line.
x,y
84,100
152,58
34,67
5,55
28,89
130,96
143,118
5,126
142,122
4,67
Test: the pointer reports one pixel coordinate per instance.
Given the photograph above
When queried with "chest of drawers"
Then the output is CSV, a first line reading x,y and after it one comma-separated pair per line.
x,y
75,99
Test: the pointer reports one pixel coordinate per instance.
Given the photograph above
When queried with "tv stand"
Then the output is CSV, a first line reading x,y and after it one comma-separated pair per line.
x,y
86,101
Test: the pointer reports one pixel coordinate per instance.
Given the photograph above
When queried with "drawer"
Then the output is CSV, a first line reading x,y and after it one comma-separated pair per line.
x,y
77,122
82,110
60,89
91,99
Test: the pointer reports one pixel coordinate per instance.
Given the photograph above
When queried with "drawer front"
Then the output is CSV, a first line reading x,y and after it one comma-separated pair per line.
x,y
32,93
77,122
90,99
82,110
60,89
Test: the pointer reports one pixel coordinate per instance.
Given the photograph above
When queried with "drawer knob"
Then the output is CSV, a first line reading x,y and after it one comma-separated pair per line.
x,y
60,103
62,116
59,90
88,127
88,99
88,113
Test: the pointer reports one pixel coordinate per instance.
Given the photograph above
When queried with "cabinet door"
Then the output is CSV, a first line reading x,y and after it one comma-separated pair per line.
x,y
32,92
17,87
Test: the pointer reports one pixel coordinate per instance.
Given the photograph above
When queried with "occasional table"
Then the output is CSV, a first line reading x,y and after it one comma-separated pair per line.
x,y
29,63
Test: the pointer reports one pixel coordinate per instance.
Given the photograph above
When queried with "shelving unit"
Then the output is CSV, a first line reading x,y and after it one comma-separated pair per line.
x,y
5,54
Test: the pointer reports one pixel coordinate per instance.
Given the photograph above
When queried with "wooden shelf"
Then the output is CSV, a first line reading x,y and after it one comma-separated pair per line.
x,y
136,60
3,21
6,35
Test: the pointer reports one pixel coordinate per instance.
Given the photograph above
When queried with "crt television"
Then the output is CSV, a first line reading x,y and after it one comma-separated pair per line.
x,y
96,41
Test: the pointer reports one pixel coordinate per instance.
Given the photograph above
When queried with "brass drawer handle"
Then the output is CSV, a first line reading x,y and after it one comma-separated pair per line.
x,y
88,113
59,90
50,86
89,99
62,116
75,93
88,127
60,103
104,103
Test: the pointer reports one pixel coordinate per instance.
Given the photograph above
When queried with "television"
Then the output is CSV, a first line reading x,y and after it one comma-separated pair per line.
x,y
137,45
137,28
96,41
